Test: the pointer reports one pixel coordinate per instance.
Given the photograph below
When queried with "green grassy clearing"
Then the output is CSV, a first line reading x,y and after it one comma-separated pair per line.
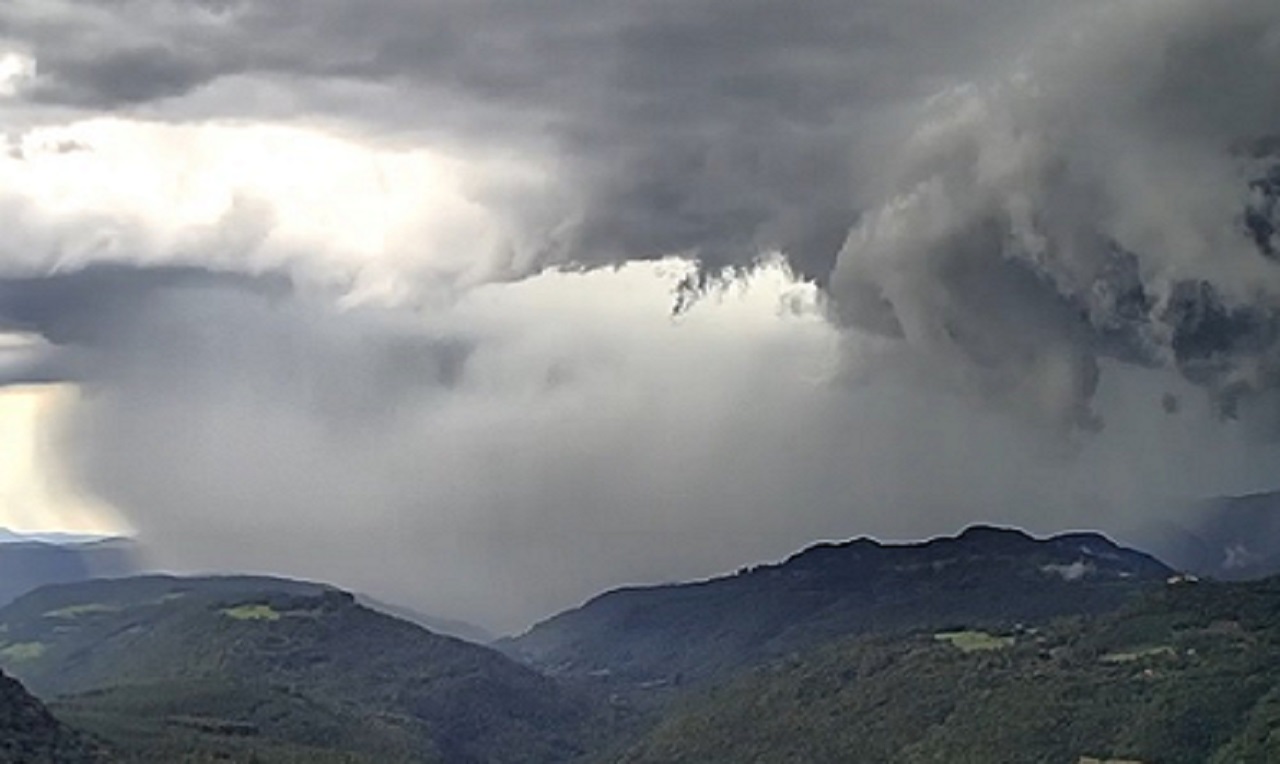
x,y
22,651
75,611
974,641
252,613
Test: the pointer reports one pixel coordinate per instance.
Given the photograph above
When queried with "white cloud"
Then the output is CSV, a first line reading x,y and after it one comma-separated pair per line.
x,y
255,197
17,70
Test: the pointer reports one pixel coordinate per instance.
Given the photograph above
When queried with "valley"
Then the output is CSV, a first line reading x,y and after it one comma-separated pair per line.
x,y
990,645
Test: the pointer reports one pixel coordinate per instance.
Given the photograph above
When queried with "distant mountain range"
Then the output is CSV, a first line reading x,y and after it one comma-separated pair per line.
x,y
449,627
1232,538
31,561
8,536
990,645
985,576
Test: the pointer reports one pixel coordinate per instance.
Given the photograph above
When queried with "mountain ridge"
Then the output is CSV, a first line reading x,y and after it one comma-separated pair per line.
x,y
984,575
29,563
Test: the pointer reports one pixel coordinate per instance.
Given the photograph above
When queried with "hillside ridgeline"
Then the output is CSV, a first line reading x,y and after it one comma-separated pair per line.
x,y
986,576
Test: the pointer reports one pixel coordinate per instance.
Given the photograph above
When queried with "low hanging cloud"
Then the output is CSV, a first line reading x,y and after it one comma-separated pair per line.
x,y
527,447
1115,199
183,331
520,450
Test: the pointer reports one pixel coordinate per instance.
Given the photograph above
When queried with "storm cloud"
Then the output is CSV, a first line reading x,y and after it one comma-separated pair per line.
x,y
724,130
1018,188
1002,244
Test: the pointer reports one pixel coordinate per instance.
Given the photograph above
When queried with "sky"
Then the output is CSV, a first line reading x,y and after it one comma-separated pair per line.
x,y
485,307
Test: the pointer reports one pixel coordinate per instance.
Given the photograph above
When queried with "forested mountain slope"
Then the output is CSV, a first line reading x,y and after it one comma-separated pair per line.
x,y
238,666
1189,675
984,576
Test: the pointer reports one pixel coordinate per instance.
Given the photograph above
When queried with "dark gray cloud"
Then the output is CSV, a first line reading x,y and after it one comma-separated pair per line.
x,y
118,78
84,306
962,175
1093,203
722,129
35,364
189,331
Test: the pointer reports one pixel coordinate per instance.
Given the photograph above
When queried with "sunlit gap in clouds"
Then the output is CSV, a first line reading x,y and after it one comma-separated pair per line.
x,y
383,222
36,493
